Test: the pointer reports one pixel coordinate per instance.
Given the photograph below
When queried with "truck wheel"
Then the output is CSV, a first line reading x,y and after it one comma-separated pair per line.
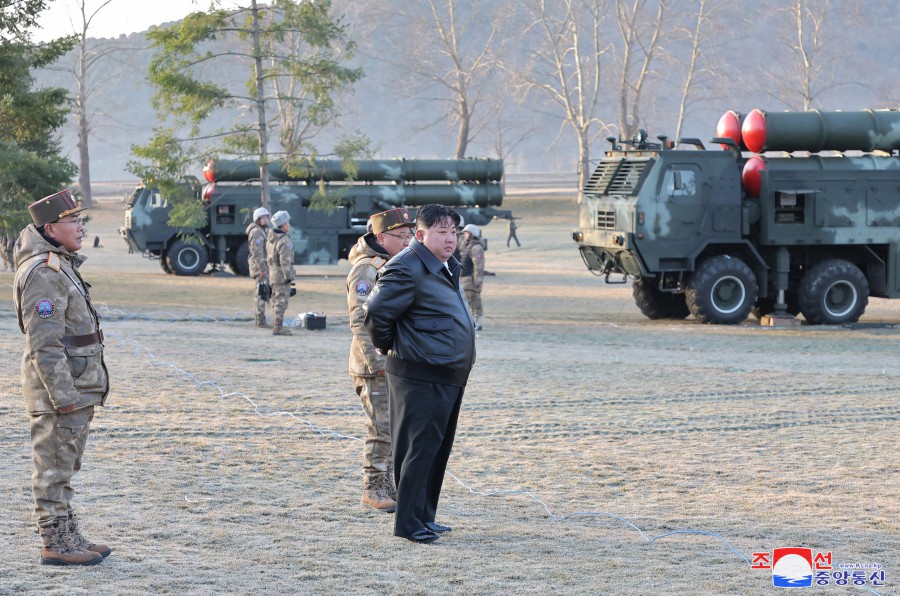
x,y
186,258
833,292
164,263
722,291
656,304
239,262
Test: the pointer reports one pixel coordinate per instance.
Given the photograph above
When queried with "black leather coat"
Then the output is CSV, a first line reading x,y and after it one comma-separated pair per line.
x,y
418,316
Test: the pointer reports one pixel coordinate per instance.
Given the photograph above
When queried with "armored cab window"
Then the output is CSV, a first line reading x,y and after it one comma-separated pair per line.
x,y
157,200
679,182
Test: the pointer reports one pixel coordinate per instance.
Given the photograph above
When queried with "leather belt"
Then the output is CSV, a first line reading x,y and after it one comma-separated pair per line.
x,y
81,341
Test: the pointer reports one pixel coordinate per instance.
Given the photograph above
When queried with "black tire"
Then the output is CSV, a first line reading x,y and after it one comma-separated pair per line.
x,y
164,263
722,291
833,292
656,304
240,263
186,258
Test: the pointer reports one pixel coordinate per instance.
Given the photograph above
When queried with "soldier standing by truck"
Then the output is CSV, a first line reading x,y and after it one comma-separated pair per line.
x,y
259,267
390,233
280,256
63,372
472,272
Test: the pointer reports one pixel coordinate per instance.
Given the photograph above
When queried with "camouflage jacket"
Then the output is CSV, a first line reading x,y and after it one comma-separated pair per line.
x,y
367,257
280,256
63,359
472,259
256,241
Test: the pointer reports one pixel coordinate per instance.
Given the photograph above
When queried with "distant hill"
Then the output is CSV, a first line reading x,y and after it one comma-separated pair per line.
x,y
746,42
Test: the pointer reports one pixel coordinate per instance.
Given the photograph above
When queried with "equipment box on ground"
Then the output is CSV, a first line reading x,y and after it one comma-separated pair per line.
x,y
312,320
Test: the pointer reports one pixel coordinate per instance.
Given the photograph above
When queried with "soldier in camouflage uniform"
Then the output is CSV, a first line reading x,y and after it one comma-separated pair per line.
x,y
63,372
390,233
257,233
280,257
472,273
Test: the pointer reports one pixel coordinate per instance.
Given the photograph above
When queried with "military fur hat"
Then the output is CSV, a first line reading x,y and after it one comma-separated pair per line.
x,y
390,220
54,208
280,218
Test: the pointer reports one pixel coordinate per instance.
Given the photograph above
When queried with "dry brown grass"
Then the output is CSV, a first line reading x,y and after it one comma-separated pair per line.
x,y
766,437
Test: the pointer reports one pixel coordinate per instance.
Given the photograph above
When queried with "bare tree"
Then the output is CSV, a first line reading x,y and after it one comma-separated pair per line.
x,y
641,39
450,54
699,67
565,48
86,58
813,37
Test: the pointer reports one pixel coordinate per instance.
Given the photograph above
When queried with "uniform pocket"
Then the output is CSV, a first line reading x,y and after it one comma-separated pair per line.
x,y
86,364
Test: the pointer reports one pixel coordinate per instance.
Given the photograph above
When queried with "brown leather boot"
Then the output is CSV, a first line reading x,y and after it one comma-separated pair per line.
x,y
279,329
60,550
261,321
375,495
83,543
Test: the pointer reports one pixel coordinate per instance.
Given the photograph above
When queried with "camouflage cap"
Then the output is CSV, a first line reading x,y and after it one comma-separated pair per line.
x,y
54,208
391,219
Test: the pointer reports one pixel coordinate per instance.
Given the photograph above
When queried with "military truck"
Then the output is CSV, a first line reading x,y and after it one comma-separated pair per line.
x,y
797,212
472,186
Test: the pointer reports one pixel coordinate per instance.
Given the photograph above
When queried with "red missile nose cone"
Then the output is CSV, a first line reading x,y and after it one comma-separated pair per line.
x,y
754,131
209,171
729,127
750,176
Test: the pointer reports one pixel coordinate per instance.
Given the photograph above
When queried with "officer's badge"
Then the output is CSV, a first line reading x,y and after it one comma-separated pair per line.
x,y
363,288
44,308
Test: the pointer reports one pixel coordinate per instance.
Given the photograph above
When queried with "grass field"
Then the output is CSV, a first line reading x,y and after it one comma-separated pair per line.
x,y
598,452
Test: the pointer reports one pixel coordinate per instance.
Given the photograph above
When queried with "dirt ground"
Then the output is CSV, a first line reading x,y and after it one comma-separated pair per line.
x,y
598,452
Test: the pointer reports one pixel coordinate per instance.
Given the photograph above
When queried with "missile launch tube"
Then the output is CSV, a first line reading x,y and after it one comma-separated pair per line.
x,y
369,170
408,195
814,131
750,176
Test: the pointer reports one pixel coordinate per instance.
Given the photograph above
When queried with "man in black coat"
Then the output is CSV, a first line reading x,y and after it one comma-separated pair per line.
x,y
418,317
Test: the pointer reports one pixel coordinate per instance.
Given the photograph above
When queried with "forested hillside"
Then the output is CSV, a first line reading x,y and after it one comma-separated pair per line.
x,y
746,56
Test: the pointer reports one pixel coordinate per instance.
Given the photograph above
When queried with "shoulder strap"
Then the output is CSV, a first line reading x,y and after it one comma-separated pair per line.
x,y
378,262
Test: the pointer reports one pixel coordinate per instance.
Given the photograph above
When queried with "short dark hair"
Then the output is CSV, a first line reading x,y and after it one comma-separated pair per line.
x,y
429,216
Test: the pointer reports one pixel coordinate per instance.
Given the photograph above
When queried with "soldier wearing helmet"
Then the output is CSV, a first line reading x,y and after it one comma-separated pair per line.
x,y
64,375
280,256
472,273
257,232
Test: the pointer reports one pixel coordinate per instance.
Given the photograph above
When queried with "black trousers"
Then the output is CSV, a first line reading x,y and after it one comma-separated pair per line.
x,y
423,426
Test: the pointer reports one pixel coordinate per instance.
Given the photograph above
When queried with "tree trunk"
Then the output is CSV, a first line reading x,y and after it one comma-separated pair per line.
x,y
265,196
81,116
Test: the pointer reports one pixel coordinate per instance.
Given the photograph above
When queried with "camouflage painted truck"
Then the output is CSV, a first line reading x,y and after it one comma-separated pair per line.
x,y
472,186
811,229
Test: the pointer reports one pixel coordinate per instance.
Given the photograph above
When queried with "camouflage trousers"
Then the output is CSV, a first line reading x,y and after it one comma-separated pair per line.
x,y
261,307
372,391
473,297
280,295
57,444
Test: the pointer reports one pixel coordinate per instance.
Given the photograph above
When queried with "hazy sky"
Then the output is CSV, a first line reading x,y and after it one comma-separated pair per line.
x,y
117,17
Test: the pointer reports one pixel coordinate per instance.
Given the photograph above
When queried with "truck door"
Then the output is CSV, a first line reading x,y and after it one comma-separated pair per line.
x,y
680,209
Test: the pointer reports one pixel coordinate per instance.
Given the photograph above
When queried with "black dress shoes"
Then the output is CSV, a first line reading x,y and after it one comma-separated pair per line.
x,y
423,536
438,528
